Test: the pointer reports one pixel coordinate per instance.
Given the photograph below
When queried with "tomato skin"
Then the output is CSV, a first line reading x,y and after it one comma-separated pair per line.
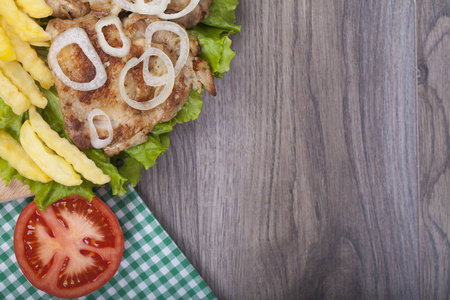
x,y
110,252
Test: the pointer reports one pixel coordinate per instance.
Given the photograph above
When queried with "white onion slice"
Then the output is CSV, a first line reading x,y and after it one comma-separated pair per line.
x,y
126,43
181,13
95,139
139,6
184,49
77,36
162,96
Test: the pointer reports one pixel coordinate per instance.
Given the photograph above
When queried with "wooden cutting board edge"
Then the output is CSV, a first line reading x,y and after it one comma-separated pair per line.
x,y
15,190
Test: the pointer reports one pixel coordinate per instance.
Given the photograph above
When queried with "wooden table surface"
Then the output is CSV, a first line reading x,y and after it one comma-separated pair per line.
x,y
321,168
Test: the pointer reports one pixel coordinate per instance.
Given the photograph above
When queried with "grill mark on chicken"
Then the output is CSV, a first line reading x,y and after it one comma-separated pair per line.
x,y
130,126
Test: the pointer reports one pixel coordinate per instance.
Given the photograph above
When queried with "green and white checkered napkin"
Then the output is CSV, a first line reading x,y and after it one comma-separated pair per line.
x,y
153,267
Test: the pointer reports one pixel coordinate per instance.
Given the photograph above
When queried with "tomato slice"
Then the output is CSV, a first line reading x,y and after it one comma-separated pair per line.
x,y
70,249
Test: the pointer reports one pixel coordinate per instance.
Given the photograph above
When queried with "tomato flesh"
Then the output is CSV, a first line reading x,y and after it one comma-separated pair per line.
x,y
70,249
39,266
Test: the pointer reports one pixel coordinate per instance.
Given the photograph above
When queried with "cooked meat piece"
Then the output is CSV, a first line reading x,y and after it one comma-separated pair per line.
x,y
102,8
200,12
130,125
69,9
201,67
77,8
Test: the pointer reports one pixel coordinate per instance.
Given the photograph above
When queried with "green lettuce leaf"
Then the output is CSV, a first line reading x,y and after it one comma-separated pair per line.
x,y
128,167
118,182
50,192
213,35
9,121
52,112
191,109
7,172
227,56
222,15
158,142
215,46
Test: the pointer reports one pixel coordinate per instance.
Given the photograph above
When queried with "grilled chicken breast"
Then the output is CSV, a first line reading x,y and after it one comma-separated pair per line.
x,y
130,125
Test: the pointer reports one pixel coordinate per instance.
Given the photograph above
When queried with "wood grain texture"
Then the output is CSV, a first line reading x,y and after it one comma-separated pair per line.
x,y
299,180
433,52
170,190
15,190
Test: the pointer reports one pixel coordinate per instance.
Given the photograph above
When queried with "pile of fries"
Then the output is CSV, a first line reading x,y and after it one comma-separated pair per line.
x,y
42,155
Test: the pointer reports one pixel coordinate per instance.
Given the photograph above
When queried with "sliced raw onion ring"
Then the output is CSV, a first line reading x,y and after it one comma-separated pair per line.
x,y
184,49
126,43
95,139
151,8
77,36
181,13
162,96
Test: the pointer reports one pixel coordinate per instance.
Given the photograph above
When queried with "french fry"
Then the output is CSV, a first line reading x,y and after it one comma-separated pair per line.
x,y
65,149
24,26
6,51
41,44
29,58
53,165
13,153
35,8
23,81
12,97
